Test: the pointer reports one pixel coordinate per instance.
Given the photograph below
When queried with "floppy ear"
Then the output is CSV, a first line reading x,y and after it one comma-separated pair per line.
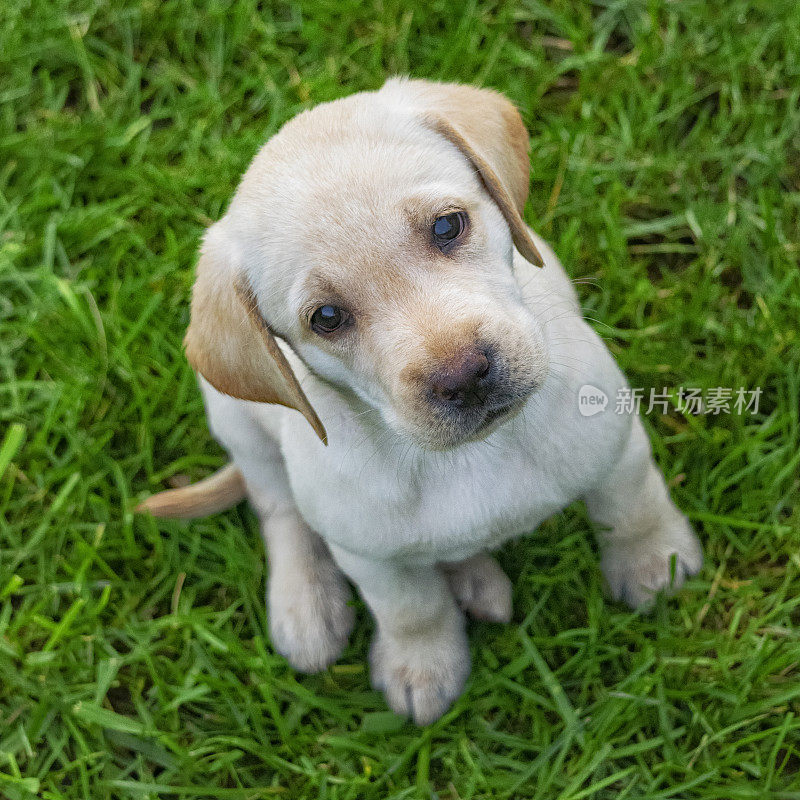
x,y
230,343
489,132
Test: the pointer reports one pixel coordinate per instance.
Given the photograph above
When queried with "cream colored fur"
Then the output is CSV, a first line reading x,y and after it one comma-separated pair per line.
x,y
334,208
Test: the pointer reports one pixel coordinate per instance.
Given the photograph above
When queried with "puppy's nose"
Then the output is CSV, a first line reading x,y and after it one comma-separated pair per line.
x,y
461,383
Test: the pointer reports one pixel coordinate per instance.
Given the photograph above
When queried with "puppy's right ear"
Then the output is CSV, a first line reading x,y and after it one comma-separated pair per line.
x,y
230,343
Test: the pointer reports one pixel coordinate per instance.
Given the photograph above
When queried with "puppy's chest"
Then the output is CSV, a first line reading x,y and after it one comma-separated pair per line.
x,y
444,509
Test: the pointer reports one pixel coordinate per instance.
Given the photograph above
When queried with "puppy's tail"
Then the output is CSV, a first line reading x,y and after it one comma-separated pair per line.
x,y
217,492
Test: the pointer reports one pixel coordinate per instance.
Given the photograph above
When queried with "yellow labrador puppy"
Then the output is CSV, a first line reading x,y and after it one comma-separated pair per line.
x,y
374,274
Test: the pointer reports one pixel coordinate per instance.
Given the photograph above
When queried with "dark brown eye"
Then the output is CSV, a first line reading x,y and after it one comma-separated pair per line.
x,y
448,228
327,319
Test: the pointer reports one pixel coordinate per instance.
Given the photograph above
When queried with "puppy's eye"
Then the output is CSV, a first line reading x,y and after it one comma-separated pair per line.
x,y
327,319
448,228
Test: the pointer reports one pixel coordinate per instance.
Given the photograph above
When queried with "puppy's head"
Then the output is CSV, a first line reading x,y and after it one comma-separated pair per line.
x,y
375,235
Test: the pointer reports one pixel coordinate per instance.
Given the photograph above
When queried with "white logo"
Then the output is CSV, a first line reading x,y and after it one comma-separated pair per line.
x,y
591,400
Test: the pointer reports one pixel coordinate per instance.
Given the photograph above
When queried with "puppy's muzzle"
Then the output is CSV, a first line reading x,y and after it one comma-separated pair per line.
x,y
473,391
472,387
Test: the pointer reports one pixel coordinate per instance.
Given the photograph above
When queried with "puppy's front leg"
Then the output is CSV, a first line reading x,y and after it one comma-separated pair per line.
x,y
419,656
308,598
647,544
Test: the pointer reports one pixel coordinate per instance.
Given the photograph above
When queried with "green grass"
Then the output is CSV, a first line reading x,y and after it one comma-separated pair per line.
x,y
134,658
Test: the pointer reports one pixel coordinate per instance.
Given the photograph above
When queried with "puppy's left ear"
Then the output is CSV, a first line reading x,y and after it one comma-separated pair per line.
x,y
489,132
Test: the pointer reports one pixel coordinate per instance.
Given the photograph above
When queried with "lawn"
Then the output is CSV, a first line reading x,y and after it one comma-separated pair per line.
x,y
134,657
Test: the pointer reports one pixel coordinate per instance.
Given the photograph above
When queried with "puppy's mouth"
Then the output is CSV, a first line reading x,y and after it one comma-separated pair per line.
x,y
454,433
496,417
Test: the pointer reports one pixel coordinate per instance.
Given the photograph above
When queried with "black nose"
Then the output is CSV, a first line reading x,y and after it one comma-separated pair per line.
x,y
462,382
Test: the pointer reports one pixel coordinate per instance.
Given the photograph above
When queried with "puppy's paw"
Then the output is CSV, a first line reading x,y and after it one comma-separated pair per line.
x,y
481,588
421,679
310,620
638,568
